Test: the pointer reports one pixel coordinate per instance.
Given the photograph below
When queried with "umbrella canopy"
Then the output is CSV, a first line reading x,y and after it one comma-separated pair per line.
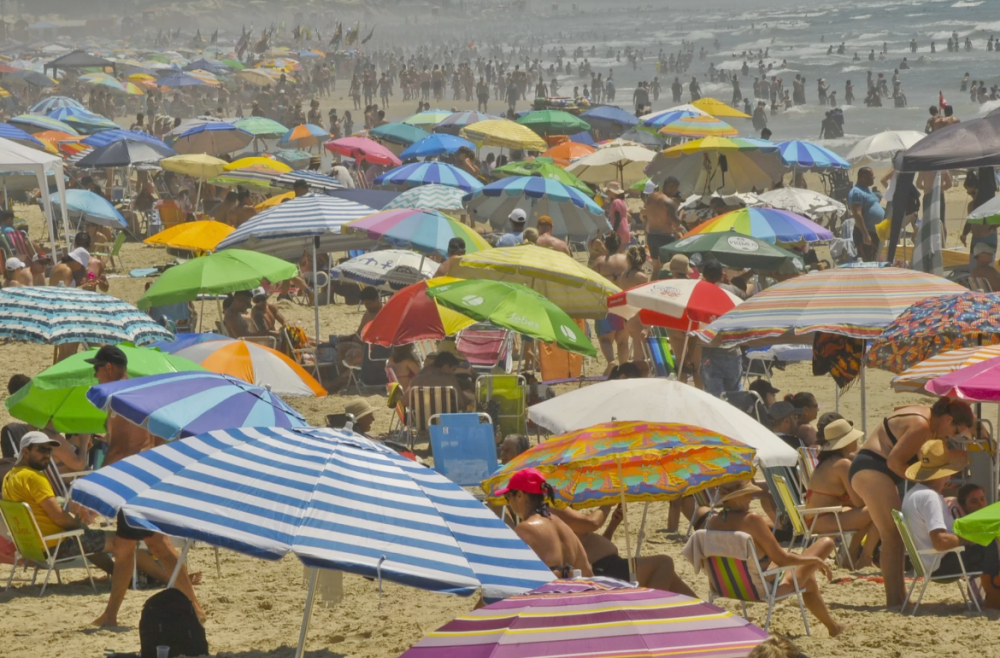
x,y
454,122
428,118
976,383
644,137
222,272
398,133
180,404
936,324
83,120
702,126
583,619
261,127
570,285
982,526
89,207
674,303
515,307
363,149
649,461
15,134
422,173
502,133
411,315
718,109
657,120
303,136
252,363
659,401
435,145
58,395
59,316
213,137
816,302
288,229
966,144
725,145
314,179
432,197
622,162
809,156
699,165
426,231
125,153
801,202
258,162
51,103
766,224
34,123
734,251
28,78
884,145
387,269
609,115
572,213
197,165
563,154
203,235
915,378
539,167
335,499
988,213
553,122
106,137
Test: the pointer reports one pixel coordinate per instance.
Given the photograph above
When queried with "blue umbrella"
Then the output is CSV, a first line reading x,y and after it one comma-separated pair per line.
x,y
212,137
180,404
125,153
186,340
573,214
583,138
664,118
15,134
93,208
606,115
51,103
422,173
181,80
106,137
435,145
806,155
83,120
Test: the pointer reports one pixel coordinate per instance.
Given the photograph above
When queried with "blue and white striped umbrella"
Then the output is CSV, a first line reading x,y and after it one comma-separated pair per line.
x,y
335,499
106,137
314,179
435,145
422,173
181,404
286,230
15,134
572,213
52,103
84,121
664,118
433,196
806,155
56,315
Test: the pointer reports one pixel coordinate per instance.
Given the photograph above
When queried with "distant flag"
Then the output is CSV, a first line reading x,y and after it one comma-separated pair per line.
x,y
338,35
942,103
352,34
215,36
368,38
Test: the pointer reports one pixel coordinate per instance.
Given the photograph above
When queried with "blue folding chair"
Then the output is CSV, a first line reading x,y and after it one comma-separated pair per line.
x,y
660,356
464,449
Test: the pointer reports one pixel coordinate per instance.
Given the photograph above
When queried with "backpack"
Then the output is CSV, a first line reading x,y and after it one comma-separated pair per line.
x,y
168,619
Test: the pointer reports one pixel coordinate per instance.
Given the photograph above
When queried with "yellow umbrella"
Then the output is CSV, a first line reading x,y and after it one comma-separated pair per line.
x,y
718,109
257,162
720,145
194,236
142,77
503,133
273,201
133,89
197,165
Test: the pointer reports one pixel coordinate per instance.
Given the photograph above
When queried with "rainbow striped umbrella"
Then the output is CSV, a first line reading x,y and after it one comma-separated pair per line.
x,y
853,302
426,231
424,173
706,126
767,224
913,379
303,136
590,618
34,123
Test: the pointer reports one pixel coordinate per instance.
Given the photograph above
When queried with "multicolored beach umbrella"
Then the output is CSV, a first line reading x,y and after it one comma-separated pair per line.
x,y
432,196
410,316
913,379
453,123
386,269
422,173
435,145
657,121
51,103
572,212
33,123
698,126
303,136
426,231
767,224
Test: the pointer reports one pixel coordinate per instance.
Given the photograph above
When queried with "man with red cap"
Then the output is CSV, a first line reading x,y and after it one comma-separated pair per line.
x,y
528,495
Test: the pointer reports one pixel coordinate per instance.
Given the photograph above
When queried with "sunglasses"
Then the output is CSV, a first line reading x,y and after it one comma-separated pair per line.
x,y
45,450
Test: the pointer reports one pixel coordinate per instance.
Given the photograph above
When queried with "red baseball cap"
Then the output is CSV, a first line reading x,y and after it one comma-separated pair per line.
x,y
528,480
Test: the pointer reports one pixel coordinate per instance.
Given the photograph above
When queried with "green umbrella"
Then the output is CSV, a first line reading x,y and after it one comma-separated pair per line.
x,y
398,133
261,127
554,122
234,64
516,307
546,169
225,271
639,185
981,527
734,250
58,395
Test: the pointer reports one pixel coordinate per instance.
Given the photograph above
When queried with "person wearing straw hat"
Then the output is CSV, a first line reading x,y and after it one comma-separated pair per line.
x,y
830,486
363,414
734,515
617,212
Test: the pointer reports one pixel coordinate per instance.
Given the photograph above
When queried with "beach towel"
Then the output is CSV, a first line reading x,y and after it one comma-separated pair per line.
x,y
840,356
928,247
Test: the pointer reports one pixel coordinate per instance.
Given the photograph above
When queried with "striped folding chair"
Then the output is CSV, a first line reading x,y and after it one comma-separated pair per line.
x,y
801,528
740,577
422,402
808,461
920,572
661,359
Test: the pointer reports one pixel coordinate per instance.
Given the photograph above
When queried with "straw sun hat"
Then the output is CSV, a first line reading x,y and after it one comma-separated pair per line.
x,y
936,461
737,490
840,434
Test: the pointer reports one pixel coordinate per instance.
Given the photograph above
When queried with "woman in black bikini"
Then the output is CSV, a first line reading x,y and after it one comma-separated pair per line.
x,y
880,466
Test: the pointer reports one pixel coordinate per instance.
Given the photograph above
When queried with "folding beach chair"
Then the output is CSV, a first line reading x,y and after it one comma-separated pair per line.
x,y
800,528
486,347
920,572
32,547
749,402
505,398
740,576
808,461
395,400
112,252
463,447
373,367
422,402
659,355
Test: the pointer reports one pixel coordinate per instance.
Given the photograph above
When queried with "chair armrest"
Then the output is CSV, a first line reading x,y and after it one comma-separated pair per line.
x,y
819,510
63,535
75,474
934,551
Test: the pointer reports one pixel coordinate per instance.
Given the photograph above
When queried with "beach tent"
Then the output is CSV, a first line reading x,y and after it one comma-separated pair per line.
x,y
16,157
79,60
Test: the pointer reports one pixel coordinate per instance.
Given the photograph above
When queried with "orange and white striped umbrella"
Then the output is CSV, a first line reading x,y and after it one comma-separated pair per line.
x,y
256,364
913,380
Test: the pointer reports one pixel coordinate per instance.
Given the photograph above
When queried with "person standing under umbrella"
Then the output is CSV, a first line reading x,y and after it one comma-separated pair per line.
x,y
617,213
866,208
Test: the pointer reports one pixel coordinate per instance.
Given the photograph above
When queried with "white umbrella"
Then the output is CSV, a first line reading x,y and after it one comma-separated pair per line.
x,y
802,202
624,162
659,401
989,209
884,145
388,269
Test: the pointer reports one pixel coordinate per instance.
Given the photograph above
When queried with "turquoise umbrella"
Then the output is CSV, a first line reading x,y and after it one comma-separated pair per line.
x,y
398,133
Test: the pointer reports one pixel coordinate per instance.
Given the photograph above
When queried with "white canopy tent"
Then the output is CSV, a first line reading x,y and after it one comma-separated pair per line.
x,y
15,157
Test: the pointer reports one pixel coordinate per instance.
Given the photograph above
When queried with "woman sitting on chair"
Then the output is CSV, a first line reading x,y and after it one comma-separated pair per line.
x,y
735,516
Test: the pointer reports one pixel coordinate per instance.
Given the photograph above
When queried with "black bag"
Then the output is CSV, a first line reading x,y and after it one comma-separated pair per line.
x,y
169,619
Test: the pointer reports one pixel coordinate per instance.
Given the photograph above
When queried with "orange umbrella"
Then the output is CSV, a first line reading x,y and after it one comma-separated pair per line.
x,y
568,151
51,139
256,364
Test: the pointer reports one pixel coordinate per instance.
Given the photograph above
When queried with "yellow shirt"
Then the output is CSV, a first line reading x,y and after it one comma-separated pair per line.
x,y
26,485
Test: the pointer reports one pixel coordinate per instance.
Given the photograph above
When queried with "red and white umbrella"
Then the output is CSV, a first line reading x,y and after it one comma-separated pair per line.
x,y
673,303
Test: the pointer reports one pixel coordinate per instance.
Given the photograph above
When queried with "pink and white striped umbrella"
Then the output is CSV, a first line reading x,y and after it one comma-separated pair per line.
x,y
673,303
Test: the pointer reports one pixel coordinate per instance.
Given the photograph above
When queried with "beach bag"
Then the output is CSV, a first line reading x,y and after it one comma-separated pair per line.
x,y
168,619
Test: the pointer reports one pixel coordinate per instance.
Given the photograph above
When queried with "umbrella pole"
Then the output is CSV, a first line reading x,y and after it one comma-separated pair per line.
x,y
836,397
197,197
628,536
680,366
642,530
180,563
864,390
201,315
300,651
316,290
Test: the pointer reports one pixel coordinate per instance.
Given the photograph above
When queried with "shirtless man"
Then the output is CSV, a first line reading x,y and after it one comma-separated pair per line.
x,y
124,440
234,319
546,239
456,249
16,273
528,495
662,219
444,371
983,255
265,316
39,262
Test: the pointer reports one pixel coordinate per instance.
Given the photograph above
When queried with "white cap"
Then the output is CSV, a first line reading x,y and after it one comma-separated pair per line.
x,y
33,439
518,216
81,256
259,292
649,188
14,263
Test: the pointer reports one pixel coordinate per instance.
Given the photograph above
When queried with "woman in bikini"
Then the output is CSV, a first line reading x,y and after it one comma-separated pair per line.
x,y
735,516
610,330
830,486
635,256
404,365
880,466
